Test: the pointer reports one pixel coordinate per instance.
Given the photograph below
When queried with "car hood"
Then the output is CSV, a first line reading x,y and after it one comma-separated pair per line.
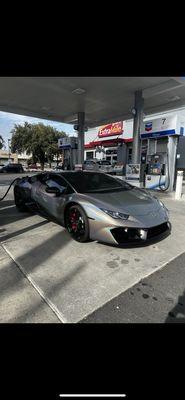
x,y
135,202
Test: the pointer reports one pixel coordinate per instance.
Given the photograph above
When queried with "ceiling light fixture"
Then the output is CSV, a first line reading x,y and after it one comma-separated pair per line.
x,y
45,108
78,91
173,98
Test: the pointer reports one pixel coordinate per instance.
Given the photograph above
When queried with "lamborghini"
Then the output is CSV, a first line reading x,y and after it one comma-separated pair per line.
x,y
94,206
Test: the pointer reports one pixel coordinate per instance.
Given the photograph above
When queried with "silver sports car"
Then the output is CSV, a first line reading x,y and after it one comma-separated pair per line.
x,y
94,205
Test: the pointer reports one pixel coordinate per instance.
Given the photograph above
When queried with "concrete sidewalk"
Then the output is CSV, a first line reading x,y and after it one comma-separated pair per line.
x,y
19,301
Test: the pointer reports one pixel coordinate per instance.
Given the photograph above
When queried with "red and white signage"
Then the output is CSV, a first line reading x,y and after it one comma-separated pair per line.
x,y
111,129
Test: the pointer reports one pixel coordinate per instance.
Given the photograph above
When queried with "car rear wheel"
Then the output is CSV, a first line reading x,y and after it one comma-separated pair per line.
x,y
19,201
77,223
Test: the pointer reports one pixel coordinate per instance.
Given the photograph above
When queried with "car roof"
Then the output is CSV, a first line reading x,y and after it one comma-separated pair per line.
x,y
91,160
65,173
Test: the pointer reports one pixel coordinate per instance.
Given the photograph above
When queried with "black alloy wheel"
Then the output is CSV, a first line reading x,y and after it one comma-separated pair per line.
x,y
77,223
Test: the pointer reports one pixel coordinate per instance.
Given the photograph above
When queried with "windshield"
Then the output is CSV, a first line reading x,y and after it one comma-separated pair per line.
x,y
94,182
104,162
89,162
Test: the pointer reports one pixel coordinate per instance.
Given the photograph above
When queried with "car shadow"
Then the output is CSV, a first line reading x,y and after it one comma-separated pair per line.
x,y
21,231
50,294
179,308
6,203
10,215
37,255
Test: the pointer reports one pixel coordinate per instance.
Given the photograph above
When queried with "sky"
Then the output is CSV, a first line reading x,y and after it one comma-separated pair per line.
x,y
8,120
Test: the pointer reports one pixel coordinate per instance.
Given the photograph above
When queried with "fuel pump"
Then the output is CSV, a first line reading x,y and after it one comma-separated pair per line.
x,y
157,171
69,145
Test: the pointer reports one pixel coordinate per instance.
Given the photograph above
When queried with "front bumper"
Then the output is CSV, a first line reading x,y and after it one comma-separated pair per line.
x,y
124,236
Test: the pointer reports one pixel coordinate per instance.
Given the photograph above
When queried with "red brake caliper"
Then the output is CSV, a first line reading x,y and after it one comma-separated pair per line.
x,y
73,219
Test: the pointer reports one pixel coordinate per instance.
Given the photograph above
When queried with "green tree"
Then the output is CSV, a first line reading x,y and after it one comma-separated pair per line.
x,y
38,140
1,142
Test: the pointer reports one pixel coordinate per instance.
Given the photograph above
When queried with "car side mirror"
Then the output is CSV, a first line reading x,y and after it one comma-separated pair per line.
x,y
53,190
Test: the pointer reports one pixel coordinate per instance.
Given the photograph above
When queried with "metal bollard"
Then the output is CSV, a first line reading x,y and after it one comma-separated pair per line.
x,y
178,192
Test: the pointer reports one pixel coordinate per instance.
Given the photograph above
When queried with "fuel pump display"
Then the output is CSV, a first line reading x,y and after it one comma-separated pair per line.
x,y
156,164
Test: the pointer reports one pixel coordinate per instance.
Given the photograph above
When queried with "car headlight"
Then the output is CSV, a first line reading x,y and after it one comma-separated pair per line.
x,y
115,214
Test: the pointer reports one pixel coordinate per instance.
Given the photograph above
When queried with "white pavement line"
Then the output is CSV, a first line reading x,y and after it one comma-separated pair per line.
x,y
5,208
129,287
37,288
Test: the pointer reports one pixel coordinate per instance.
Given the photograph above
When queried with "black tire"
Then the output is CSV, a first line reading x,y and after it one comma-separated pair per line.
x,y
19,201
77,224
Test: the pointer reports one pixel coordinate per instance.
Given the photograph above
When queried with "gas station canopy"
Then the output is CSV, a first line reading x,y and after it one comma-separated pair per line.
x,y
103,99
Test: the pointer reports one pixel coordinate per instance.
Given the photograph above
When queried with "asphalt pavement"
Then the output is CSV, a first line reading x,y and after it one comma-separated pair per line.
x,y
160,298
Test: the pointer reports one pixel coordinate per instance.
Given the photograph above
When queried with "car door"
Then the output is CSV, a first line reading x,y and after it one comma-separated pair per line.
x,y
12,168
53,204
9,168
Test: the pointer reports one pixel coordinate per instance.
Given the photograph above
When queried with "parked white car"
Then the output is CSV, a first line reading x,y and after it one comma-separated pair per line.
x,y
98,165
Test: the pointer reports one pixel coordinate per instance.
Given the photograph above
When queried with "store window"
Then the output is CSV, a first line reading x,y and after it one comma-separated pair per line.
x,y
111,155
89,155
111,151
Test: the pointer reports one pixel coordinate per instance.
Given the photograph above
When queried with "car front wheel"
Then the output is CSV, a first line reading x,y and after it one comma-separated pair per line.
x,y
77,223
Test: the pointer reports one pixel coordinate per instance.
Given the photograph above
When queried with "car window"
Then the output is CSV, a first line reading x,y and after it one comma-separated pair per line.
x,y
52,183
88,182
106,163
90,162
42,177
59,182
15,166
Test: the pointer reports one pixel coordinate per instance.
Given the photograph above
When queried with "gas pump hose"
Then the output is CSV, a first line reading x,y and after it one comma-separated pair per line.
x,y
15,180
168,179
